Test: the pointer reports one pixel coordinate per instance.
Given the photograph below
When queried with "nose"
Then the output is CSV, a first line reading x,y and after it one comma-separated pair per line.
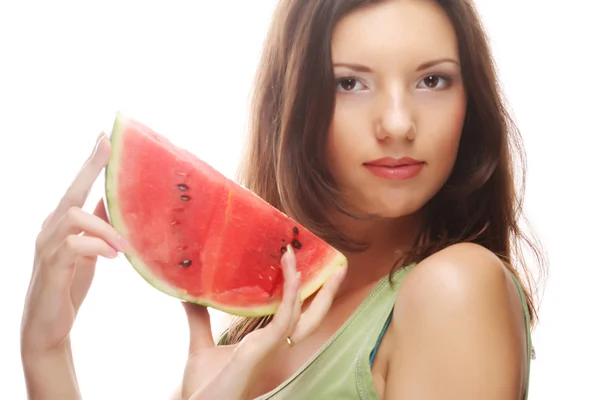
x,y
395,119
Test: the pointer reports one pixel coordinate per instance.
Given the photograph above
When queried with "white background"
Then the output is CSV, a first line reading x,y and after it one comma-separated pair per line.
x,y
186,69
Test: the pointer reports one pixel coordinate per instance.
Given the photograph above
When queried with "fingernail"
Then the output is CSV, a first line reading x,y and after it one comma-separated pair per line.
x,y
112,253
98,141
123,244
289,253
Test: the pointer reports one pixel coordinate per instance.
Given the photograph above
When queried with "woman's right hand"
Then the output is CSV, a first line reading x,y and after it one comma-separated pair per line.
x,y
66,251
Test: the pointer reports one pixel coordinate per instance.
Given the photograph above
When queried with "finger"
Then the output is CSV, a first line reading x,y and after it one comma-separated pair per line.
x,y
75,246
76,221
40,241
296,305
282,320
47,219
319,307
252,351
297,311
200,328
78,191
85,269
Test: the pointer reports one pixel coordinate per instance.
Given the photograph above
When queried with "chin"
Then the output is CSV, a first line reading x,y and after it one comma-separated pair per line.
x,y
393,208
393,212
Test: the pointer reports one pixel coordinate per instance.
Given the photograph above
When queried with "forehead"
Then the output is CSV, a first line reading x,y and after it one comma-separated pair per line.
x,y
408,30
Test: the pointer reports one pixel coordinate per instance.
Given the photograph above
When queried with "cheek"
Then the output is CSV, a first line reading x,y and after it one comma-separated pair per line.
x,y
448,143
445,134
346,137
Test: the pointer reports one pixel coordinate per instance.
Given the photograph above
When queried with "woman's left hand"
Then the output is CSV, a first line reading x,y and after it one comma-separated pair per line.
x,y
229,372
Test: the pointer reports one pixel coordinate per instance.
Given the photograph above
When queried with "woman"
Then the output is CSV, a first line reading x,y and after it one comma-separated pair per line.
x,y
379,126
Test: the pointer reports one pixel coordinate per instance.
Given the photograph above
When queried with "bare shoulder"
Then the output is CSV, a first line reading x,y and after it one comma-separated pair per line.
x,y
461,275
459,329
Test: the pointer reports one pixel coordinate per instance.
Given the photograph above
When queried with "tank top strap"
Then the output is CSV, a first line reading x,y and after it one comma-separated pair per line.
x,y
376,314
341,368
372,324
526,315
335,369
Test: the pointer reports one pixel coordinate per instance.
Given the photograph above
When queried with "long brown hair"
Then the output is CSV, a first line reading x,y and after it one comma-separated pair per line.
x,y
292,107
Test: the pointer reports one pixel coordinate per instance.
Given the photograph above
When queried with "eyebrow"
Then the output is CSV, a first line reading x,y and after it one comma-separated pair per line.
x,y
428,64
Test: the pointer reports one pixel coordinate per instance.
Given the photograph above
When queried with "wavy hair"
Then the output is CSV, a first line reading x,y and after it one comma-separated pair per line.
x,y
285,160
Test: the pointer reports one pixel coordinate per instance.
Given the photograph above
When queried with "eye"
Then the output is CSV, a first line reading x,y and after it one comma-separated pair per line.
x,y
349,84
435,82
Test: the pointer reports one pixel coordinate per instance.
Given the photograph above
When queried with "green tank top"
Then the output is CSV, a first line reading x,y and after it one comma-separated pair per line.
x,y
341,369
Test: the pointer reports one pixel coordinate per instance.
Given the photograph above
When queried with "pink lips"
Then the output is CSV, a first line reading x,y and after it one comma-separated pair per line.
x,y
395,169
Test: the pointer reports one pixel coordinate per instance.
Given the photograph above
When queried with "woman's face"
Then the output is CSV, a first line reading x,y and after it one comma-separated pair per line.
x,y
400,106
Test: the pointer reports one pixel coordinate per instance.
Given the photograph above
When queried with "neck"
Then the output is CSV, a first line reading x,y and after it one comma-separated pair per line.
x,y
388,239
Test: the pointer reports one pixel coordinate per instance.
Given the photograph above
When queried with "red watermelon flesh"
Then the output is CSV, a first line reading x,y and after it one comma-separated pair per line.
x,y
199,236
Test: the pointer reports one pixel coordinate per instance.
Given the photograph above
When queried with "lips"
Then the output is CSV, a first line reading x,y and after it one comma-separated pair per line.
x,y
394,162
397,169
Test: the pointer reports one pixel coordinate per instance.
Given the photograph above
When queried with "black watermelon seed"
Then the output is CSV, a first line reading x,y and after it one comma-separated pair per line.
x,y
182,187
185,198
296,243
283,250
296,230
185,263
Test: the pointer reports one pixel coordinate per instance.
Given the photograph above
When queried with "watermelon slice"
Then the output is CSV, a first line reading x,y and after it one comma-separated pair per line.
x,y
199,236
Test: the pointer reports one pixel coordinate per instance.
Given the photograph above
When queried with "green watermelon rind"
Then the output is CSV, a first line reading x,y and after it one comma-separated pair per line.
x,y
336,259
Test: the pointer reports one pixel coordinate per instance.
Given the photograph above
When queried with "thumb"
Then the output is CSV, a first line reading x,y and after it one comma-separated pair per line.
x,y
200,329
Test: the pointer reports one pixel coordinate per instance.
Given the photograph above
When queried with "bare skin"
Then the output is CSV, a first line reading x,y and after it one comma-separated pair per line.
x,y
457,331
66,252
